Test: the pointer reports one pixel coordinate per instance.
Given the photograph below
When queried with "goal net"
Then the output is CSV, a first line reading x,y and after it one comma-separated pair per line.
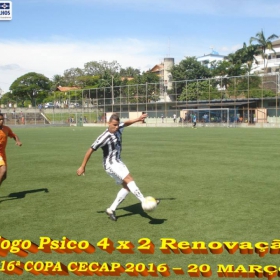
x,y
207,117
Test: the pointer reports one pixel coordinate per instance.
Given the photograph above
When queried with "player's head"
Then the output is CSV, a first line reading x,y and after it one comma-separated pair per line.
x,y
114,122
114,117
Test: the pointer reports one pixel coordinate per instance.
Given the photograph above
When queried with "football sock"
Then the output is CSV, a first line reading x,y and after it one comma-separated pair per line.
x,y
120,197
135,190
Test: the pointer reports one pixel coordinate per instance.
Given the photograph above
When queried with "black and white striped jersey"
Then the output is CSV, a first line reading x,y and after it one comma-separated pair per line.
x,y
111,144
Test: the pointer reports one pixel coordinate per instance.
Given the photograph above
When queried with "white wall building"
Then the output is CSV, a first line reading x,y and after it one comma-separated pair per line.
x,y
211,57
272,63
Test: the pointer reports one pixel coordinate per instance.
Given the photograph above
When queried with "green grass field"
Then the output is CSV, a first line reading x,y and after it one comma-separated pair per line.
x,y
215,184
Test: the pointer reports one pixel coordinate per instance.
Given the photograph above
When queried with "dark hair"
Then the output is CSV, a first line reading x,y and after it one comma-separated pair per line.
x,y
114,117
1,115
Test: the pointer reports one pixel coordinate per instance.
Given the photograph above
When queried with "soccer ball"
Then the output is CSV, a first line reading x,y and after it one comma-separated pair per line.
x,y
149,204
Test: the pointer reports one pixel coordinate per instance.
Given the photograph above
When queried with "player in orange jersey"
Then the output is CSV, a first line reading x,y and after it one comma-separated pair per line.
x,y
5,132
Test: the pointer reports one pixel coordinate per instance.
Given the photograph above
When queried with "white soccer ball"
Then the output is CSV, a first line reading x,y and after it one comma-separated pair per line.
x,y
149,204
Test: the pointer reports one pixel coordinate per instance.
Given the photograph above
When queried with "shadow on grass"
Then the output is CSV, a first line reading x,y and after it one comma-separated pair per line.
x,y
136,209
18,195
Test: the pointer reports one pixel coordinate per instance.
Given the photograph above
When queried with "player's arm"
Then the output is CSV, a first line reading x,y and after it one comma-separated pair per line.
x,y
139,119
81,170
16,138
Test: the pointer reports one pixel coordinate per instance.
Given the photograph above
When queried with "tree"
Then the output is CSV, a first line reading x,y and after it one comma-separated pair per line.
x,y
245,57
31,86
145,77
141,88
58,80
71,76
200,90
8,97
264,44
188,69
95,68
129,72
88,81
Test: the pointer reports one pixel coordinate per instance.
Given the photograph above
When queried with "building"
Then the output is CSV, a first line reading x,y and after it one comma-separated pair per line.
x,y
65,89
163,71
271,63
207,59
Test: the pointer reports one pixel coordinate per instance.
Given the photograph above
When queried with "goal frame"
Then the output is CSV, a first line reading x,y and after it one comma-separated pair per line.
x,y
216,116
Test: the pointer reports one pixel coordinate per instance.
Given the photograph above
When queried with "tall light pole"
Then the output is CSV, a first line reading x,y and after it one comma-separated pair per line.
x,y
112,96
112,89
35,92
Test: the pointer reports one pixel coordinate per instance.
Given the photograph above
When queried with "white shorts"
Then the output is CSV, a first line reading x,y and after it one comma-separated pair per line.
x,y
118,171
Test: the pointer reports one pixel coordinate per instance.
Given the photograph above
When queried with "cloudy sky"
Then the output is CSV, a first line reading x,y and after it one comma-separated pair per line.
x,y
51,36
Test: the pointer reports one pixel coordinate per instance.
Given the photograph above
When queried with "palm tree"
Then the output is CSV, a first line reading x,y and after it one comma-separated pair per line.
x,y
246,55
264,44
58,80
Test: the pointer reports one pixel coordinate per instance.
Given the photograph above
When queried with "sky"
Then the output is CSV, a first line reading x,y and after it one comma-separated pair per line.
x,y
51,36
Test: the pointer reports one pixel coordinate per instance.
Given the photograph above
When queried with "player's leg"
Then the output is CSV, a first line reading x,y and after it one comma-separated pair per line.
x,y
127,187
129,182
117,171
3,173
121,195
120,173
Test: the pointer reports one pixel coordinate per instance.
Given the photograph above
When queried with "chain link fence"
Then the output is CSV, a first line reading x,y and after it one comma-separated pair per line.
x,y
250,98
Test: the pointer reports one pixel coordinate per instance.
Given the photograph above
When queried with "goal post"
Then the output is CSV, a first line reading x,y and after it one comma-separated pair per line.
x,y
209,117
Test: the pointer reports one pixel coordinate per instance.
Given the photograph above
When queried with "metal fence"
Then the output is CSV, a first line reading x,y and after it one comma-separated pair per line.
x,y
254,98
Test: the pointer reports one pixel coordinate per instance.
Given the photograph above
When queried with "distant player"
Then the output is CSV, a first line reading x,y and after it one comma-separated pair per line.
x,y
111,143
194,121
5,132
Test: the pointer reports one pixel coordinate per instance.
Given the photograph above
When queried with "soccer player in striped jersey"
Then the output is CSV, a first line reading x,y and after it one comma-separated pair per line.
x,y
111,143
5,132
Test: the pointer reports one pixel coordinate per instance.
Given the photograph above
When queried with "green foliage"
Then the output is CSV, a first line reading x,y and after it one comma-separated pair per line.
x,y
146,77
238,86
71,76
189,69
242,86
245,57
101,68
8,97
200,90
88,81
58,80
228,68
139,90
32,86
129,72
260,93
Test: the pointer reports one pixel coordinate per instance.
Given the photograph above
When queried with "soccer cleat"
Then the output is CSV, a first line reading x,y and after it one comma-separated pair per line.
x,y
111,214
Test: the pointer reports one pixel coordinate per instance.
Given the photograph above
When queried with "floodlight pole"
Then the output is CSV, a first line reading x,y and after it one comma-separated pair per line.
x,y
112,92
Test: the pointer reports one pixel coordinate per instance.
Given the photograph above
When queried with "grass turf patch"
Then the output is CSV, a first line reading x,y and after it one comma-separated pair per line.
x,y
215,184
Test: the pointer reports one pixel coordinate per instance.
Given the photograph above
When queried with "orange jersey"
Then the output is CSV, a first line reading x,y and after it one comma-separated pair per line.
x,y
5,132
